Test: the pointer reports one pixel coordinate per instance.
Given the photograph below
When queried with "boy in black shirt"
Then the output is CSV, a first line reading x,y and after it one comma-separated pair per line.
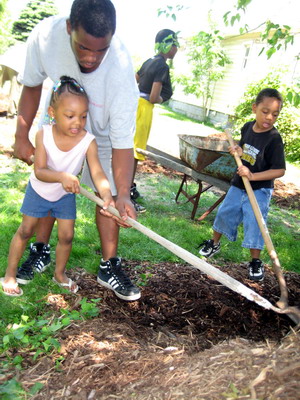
x,y
155,88
262,154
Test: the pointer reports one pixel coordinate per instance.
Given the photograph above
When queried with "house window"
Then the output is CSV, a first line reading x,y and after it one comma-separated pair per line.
x,y
246,56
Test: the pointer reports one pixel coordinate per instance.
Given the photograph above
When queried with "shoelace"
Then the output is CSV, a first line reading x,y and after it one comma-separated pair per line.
x,y
255,268
122,277
206,245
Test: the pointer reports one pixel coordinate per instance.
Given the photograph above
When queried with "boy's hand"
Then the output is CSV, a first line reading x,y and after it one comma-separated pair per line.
x,y
244,171
237,149
70,183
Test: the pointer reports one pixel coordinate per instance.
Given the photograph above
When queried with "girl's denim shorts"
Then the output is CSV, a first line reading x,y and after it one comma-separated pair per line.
x,y
236,209
36,206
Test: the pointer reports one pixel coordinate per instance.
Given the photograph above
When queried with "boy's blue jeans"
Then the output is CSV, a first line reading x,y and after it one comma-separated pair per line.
x,y
236,209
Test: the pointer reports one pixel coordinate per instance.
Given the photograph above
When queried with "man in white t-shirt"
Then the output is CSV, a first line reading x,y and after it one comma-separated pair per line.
x,y
85,48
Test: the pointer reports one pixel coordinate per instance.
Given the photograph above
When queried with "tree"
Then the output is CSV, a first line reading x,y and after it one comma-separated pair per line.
x,y
274,35
5,27
35,11
208,61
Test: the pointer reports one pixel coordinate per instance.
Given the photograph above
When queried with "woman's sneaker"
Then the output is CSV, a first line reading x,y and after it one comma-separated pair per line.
x,y
134,193
256,270
209,248
138,207
38,260
113,277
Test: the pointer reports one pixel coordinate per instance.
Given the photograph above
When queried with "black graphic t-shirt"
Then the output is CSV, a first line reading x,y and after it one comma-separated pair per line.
x,y
261,151
155,69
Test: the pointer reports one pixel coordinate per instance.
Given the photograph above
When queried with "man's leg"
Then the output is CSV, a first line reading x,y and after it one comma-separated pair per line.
x,y
109,235
44,229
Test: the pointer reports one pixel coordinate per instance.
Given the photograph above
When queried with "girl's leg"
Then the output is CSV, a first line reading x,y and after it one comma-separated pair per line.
x,y
17,248
63,249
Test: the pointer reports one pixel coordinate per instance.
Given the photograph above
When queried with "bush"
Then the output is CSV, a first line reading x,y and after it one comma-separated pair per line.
x,y
288,122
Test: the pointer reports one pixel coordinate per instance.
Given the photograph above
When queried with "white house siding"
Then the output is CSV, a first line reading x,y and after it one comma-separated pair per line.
x,y
243,70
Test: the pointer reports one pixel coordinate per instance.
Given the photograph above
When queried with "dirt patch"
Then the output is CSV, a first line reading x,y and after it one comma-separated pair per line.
x,y
188,337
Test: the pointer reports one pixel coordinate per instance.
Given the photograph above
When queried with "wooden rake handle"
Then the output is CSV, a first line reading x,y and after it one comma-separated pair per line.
x,y
283,301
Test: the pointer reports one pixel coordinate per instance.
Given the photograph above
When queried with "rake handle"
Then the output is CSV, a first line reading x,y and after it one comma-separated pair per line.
x,y
283,301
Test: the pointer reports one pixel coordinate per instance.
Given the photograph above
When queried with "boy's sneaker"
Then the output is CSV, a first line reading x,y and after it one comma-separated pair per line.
x,y
209,248
134,193
138,207
256,270
39,259
113,277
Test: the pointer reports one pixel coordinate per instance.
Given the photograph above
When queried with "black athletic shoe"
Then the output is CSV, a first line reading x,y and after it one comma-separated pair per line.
x,y
209,249
113,277
39,259
138,207
134,193
256,270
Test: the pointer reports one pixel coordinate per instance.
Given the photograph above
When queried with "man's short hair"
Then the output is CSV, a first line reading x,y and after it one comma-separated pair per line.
x,y
166,36
96,17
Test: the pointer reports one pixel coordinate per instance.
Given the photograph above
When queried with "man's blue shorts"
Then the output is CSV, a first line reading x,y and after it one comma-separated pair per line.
x,y
236,209
36,206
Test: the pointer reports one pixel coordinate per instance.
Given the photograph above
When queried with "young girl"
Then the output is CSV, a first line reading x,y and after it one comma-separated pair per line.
x,y
262,153
60,151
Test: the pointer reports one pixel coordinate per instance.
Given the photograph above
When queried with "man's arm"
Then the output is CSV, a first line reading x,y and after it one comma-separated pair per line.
x,y
122,163
28,106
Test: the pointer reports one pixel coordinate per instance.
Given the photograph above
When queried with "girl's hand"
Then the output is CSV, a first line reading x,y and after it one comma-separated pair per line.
x,y
70,183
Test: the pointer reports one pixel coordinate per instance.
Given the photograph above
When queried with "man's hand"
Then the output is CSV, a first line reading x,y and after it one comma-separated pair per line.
x,y
24,150
126,209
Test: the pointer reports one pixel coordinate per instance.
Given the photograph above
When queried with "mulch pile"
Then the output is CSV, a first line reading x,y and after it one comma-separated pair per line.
x,y
188,337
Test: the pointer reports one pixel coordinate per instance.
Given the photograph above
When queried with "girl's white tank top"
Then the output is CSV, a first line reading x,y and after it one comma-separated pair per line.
x,y
64,161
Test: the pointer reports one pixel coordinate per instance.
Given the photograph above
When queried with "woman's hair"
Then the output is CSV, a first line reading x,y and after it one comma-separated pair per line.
x,y
66,84
268,92
164,40
96,17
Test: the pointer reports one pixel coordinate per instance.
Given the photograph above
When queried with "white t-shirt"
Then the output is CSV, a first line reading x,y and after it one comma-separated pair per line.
x,y
111,88
64,161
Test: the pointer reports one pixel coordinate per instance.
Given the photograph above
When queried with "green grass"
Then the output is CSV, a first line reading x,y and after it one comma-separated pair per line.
x,y
21,317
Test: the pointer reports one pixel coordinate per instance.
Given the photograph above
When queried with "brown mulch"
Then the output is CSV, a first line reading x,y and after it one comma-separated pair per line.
x,y
188,337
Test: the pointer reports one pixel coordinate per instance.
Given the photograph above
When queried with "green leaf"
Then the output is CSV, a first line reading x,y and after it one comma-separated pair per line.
x,y
36,388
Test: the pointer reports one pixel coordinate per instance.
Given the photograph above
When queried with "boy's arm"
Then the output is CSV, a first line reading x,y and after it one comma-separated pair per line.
x,y
43,173
27,109
260,176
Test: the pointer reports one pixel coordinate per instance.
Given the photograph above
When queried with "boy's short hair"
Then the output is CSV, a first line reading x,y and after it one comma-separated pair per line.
x,y
96,17
268,92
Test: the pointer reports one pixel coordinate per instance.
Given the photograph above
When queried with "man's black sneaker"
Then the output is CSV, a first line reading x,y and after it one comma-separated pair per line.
x,y
209,248
256,270
38,260
138,207
113,277
134,193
